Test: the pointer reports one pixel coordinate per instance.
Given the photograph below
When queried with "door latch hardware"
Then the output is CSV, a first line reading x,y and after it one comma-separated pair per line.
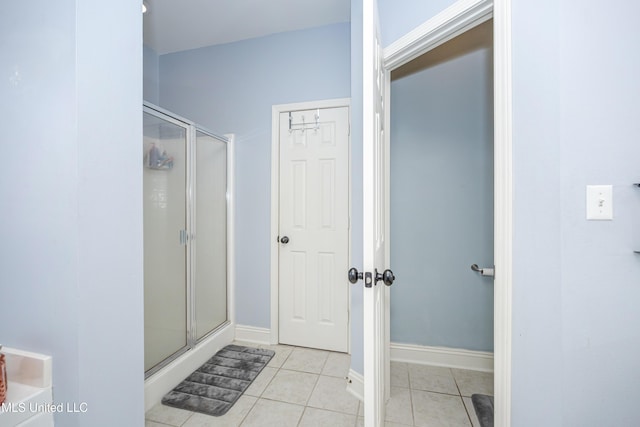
x,y
368,279
387,277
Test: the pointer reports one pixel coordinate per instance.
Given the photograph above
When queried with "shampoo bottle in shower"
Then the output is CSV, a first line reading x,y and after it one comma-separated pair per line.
x,y
3,378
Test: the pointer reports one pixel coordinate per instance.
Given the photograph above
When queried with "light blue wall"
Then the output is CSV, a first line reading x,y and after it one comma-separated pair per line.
x,y
576,91
71,264
537,348
38,184
230,89
398,17
442,202
151,75
110,257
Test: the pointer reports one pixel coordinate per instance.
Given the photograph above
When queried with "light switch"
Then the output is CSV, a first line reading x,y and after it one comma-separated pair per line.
x,y
599,202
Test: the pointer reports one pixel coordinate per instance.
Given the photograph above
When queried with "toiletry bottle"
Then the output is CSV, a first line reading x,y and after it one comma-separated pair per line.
x,y
3,378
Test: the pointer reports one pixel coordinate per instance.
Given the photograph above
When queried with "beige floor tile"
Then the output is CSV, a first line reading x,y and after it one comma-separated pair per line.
x,y
306,360
314,417
282,353
432,378
468,404
245,343
399,374
435,410
269,413
167,415
429,369
398,408
472,382
232,418
360,423
337,365
291,386
331,393
260,383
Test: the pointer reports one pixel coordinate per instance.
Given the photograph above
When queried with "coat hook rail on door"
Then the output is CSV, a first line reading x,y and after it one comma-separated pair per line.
x,y
304,125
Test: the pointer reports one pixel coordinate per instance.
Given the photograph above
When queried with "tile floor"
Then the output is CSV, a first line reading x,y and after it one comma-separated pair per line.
x,y
302,387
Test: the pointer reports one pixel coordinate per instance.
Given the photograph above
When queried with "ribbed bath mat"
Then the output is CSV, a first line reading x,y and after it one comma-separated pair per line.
x,y
215,386
483,405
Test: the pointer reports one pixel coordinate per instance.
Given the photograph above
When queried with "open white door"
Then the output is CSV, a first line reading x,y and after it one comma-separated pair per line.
x,y
374,210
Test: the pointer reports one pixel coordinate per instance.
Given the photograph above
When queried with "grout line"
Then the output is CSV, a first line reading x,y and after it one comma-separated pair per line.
x,y
248,412
456,383
312,390
436,392
468,411
164,424
185,421
413,418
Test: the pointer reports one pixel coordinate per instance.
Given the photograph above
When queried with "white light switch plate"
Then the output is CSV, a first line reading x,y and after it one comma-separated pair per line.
x,y
599,202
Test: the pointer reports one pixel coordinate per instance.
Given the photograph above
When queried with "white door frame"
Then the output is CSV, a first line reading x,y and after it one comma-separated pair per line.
x,y
275,201
458,18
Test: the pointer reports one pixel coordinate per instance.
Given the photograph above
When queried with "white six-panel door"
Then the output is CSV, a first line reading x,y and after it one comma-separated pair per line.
x,y
313,228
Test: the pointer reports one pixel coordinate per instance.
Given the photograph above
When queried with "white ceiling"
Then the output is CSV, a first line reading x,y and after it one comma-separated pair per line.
x,y
175,25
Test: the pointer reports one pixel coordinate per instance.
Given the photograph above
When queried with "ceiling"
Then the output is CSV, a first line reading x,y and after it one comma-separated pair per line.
x,y
175,25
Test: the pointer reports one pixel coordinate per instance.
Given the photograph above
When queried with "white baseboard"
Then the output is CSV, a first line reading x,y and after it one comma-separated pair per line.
x,y
442,356
170,376
355,384
253,334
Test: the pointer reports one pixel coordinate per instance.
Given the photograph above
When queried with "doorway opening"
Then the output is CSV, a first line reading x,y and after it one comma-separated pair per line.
x,y
441,222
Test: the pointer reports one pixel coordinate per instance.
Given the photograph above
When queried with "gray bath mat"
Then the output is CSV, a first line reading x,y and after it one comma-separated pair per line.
x,y
483,405
215,386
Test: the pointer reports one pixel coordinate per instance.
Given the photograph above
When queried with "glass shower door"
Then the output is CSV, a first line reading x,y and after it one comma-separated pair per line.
x,y
211,233
165,245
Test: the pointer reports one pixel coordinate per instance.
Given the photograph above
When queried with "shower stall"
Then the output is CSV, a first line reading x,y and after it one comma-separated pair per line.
x,y
186,202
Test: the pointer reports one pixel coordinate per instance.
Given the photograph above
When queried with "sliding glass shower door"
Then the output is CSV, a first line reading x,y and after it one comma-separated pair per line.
x,y
165,254
211,233
185,235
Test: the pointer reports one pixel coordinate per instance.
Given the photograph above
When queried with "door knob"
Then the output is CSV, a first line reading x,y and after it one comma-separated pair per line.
x,y
284,240
354,276
387,277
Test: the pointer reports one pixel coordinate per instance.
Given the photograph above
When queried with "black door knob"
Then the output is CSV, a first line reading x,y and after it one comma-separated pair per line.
x,y
284,240
387,277
354,276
